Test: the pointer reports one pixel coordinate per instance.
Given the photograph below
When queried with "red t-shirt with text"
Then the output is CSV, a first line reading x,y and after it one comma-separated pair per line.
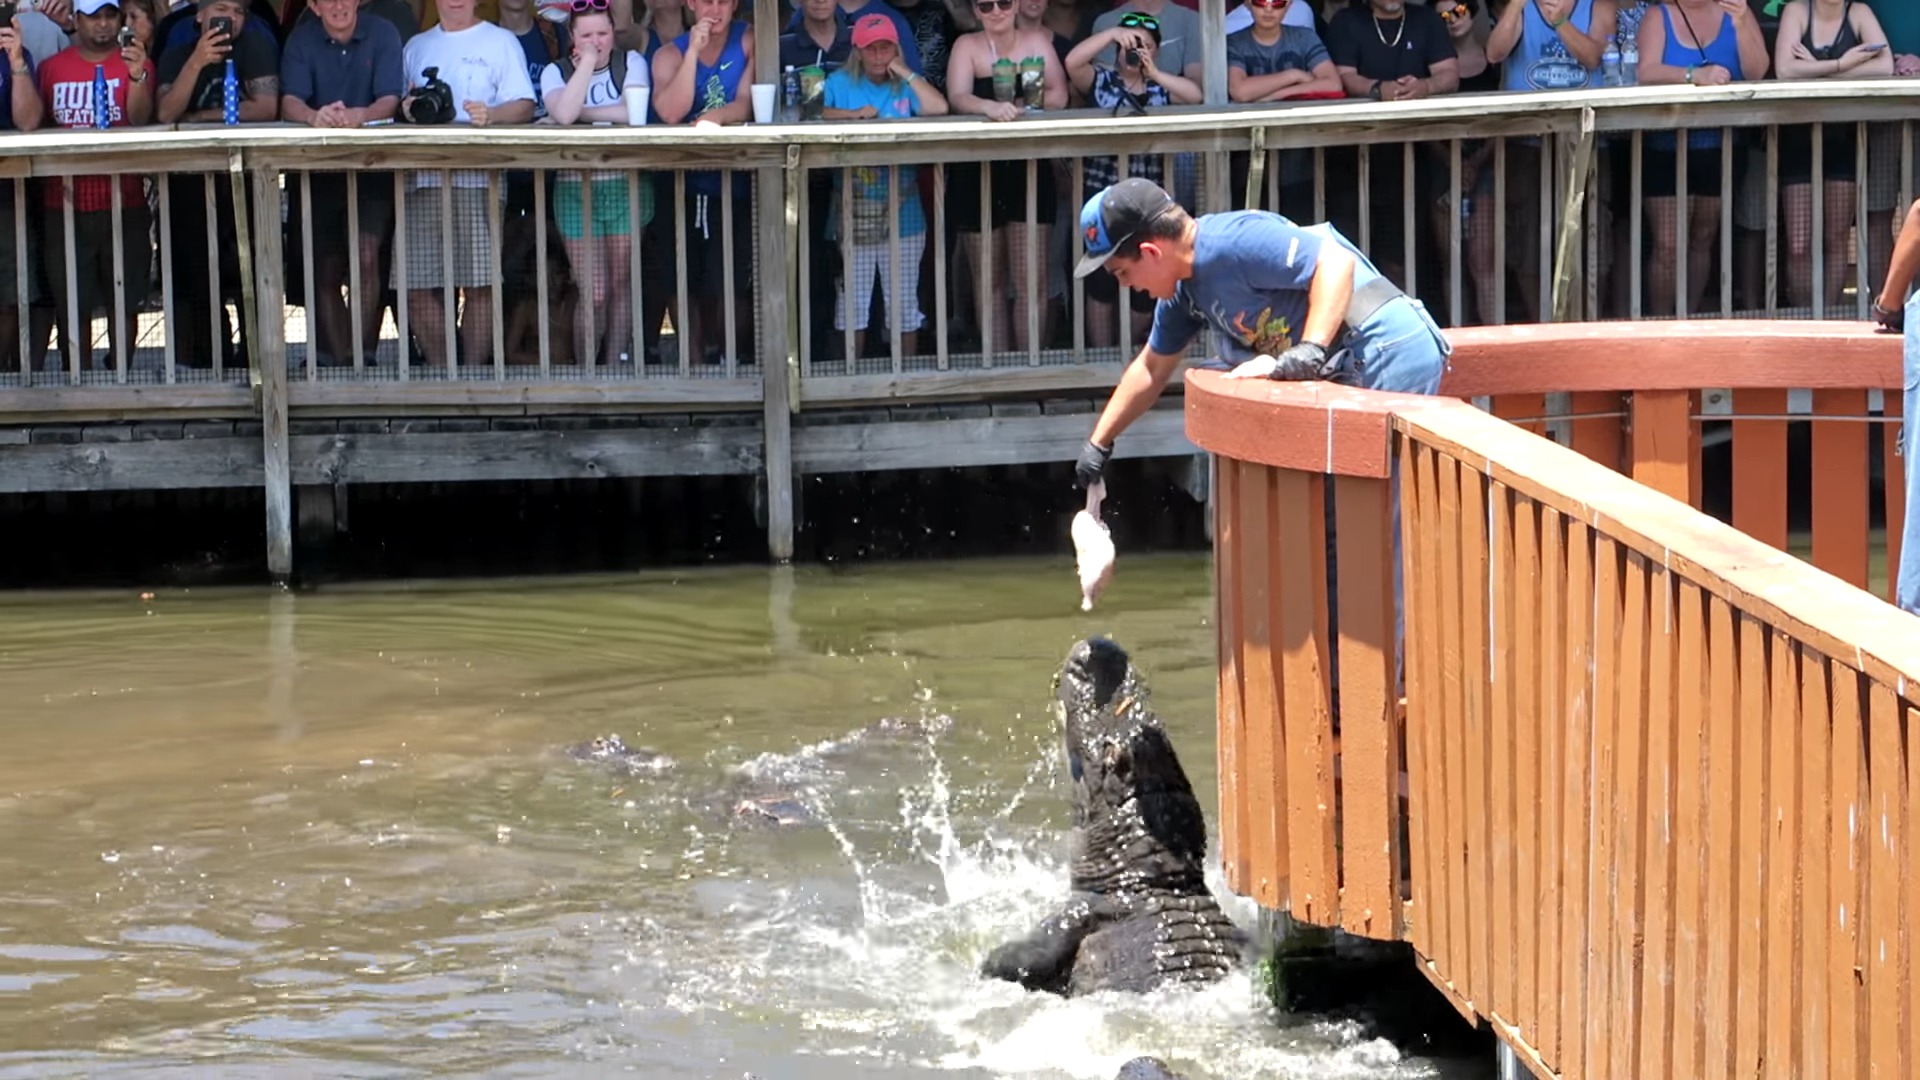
x,y
66,85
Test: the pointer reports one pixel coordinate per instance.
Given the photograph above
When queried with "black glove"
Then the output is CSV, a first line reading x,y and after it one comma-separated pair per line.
x,y
1092,465
1302,362
1895,320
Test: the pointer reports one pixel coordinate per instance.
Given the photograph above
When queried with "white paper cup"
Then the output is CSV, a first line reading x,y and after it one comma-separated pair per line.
x,y
636,99
763,103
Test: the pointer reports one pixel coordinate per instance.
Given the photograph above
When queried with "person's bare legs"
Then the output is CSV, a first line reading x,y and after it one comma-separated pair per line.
x,y
1029,296
1703,230
329,317
989,308
372,312
617,306
427,322
1102,329
476,324
1663,255
591,281
1839,234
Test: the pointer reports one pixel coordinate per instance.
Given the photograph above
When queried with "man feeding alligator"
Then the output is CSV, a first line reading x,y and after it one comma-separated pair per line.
x,y
1289,302
1139,915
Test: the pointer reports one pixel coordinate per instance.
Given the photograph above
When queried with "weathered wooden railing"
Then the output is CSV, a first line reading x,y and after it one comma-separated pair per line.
x,y
1648,807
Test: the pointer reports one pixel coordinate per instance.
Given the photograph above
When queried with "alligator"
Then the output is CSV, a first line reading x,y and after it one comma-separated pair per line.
x,y
1147,1068
1138,915
613,751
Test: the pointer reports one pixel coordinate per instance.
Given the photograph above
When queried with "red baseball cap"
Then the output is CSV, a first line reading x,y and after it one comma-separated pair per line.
x,y
873,28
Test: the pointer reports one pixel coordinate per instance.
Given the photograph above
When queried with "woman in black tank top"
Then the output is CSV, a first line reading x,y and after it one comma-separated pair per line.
x,y
1823,39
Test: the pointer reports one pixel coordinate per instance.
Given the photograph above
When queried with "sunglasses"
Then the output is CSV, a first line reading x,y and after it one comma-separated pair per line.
x,y
581,7
984,6
1268,3
1135,21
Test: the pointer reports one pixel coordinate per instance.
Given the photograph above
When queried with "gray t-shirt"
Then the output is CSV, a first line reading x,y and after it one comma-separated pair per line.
x,y
1296,50
1179,36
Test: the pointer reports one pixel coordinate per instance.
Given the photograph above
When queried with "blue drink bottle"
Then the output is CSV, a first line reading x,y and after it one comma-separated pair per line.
x,y
102,101
229,96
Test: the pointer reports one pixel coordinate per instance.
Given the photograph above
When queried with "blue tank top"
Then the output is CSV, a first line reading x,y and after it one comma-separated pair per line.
x,y
1723,50
716,85
1540,60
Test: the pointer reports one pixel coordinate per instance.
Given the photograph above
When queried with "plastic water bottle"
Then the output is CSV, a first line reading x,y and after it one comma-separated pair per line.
x,y
790,96
229,96
1610,65
102,101
1630,62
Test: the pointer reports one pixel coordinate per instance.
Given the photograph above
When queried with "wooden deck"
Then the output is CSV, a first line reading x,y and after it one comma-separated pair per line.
x,y
1659,810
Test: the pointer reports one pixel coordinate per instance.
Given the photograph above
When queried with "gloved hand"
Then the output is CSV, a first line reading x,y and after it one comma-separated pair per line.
x,y
1895,320
1304,361
1092,464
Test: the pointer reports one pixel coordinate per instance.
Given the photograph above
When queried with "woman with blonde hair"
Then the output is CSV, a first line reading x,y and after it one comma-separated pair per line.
x,y
877,84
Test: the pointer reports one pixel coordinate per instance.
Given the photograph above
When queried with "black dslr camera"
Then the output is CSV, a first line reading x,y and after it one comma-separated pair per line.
x,y
433,102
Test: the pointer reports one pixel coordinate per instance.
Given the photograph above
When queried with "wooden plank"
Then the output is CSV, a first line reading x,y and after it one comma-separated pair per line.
x,y
1629,825
1603,881
997,440
1576,685
1725,930
1426,714
1784,1008
1847,877
1909,916
270,359
1526,408
1299,569
1889,1005
1692,925
1815,738
1269,792
1661,449
1759,453
1654,1013
629,395
61,404
157,466
1477,727
524,455
1500,704
824,390
1369,742
1525,683
1840,500
1751,826
1549,662
1453,678
1781,591
1234,750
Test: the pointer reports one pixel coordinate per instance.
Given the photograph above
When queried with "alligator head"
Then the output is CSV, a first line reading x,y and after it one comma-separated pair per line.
x,y
1137,822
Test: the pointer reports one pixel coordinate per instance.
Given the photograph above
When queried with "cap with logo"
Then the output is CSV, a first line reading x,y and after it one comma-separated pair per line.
x,y
1116,215
94,7
874,28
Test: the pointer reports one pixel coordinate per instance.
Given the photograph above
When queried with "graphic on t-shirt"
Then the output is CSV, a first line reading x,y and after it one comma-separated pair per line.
x,y
72,103
1267,334
714,94
1556,69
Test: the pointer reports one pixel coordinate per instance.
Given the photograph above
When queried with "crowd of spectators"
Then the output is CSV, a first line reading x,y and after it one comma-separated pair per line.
x,y
351,63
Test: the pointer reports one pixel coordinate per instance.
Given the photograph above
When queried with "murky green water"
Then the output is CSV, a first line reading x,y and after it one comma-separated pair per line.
x,y
334,833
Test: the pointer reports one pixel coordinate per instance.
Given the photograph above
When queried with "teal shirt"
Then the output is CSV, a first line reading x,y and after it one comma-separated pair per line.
x,y
1901,20
891,100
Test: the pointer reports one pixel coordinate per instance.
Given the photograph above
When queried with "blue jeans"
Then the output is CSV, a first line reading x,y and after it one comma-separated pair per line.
x,y
1906,590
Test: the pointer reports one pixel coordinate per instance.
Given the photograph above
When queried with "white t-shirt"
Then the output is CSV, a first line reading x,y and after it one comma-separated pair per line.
x,y
482,63
600,91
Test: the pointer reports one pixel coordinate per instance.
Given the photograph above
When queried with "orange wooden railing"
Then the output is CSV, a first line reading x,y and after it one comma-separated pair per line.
x,y
1646,807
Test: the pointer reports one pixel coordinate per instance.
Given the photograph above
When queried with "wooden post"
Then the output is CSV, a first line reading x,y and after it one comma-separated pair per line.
x,y
1213,87
778,193
1662,447
269,352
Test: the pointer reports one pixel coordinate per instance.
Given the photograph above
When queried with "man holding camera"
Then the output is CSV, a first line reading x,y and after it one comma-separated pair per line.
x,y
468,71
192,73
66,85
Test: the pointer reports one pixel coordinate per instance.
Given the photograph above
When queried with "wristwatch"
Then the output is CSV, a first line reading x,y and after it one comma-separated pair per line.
x,y
1374,90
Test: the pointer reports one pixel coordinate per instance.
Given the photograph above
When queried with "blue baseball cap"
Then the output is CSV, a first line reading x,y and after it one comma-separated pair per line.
x,y
1116,215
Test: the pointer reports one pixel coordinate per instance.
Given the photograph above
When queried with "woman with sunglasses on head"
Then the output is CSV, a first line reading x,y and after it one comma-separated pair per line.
x,y
587,88
970,89
877,84
1134,86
